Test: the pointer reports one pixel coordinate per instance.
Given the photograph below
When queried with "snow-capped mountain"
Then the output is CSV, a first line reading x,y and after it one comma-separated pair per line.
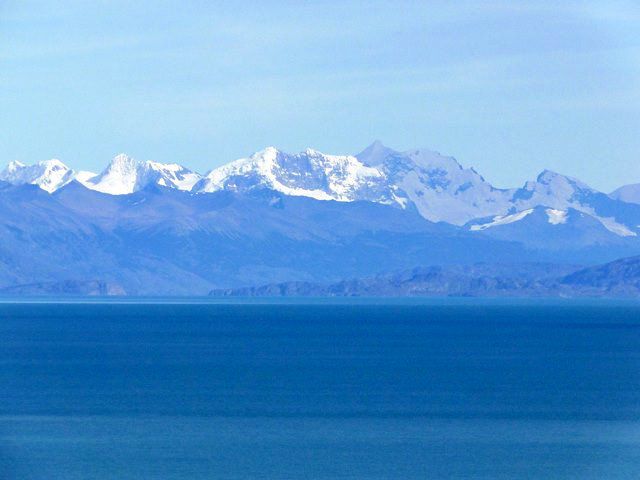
x,y
48,174
309,174
122,176
553,190
439,187
443,190
275,217
559,192
126,175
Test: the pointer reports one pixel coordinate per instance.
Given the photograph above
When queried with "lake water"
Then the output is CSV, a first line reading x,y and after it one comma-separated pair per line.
x,y
451,390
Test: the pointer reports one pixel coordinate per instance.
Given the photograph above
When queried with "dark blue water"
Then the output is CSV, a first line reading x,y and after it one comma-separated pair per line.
x,y
357,391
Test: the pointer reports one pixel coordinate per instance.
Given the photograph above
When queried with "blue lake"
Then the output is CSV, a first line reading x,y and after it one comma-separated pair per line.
x,y
344,390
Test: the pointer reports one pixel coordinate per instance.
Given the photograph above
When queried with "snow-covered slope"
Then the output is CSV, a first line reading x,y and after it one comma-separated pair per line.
x,y
554,190
499,220
126,175
551,216
48,174
442,190
84,176
439,187
310,173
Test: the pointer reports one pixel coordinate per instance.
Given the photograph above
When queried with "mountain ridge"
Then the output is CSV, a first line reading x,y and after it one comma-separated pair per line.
x,y
620,278
437,185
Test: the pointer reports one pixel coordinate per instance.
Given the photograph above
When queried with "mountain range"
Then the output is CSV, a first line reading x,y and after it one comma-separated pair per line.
x,y
146,228
620,278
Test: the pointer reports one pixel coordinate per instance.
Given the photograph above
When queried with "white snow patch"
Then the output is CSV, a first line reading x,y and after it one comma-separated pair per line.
x,y
621,230
556,217
502,220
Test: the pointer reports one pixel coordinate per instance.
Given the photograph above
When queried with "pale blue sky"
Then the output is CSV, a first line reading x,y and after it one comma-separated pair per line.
x,y
509,87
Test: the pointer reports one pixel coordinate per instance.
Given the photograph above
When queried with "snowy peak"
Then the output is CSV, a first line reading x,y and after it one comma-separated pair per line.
x,y
310,173
440,188
123,164
561,192
125,175
173,175
48,174
553,190
561,184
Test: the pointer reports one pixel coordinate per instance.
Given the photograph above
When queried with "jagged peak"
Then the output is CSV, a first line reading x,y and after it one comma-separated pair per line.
x,y
122,165
123,159
312,152
125,174
270,156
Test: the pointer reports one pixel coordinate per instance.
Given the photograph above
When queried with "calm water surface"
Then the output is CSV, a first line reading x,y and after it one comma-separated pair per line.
x,y
345,391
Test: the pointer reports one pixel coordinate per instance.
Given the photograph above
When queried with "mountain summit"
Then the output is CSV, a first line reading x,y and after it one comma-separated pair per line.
x,y
126,175
440,188
313,174
49,175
